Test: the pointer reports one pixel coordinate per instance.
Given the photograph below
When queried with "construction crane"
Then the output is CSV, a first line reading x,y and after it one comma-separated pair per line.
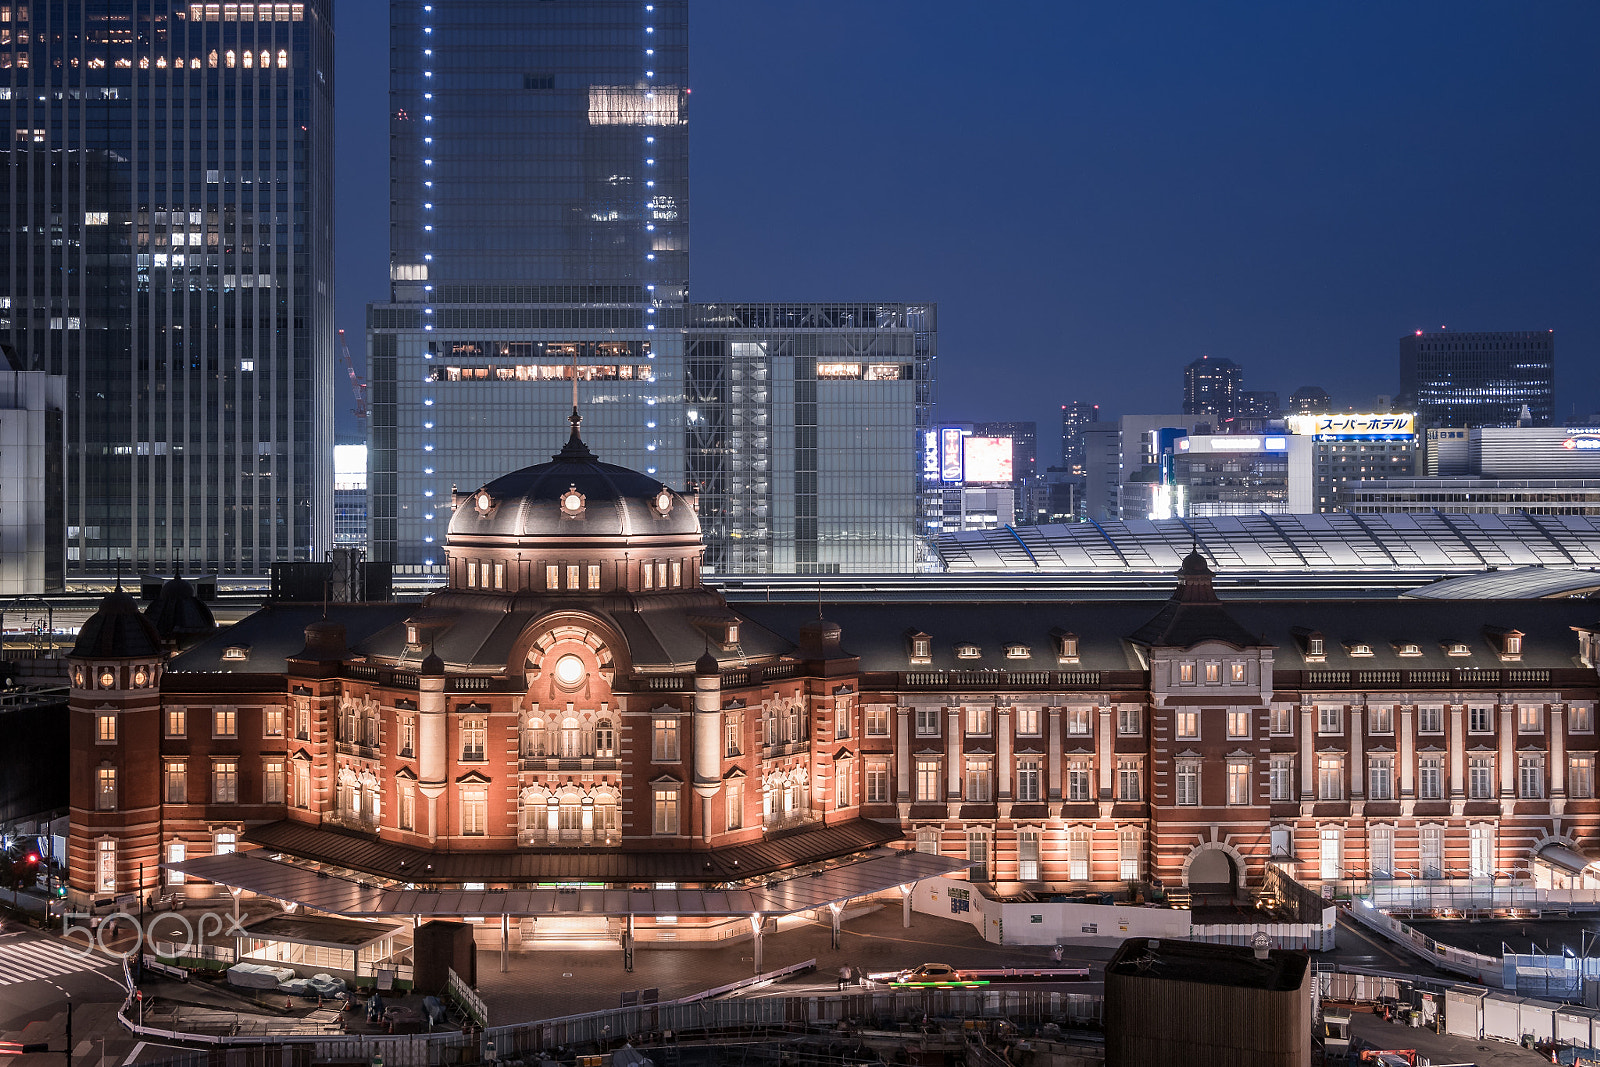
x,y
357,386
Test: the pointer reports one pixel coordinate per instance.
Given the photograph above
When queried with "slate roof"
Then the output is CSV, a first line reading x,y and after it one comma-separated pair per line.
x,y
362,852
117,630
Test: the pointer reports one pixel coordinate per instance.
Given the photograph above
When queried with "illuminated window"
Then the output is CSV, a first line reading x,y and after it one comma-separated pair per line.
x,y
1480,778
552,576
1239,781
272,781
177,851
1078,781
1580,776
593,575
928,788
979,772
573,572
105,797
1188,783
1028,779
665,809
1078,721
1382,719
1186,672
224,722
225,781
1530,718
665,741
474,736
175,782
1188,723
474,810
106,729
1213,672
1130,778
978,720
1429,778
733,801
272,722
1380,778
106,867
1330,778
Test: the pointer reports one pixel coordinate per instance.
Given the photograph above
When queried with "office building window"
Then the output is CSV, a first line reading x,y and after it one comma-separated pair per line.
x,y
474,810
1239,781
1028,779
1430,851
1028,855
1281,778
877,782
177,852
928,780
1580,719
474,740
978,776
1480,854
732,730
1330,777
224,842
552,576
1281,721
1381,840
176,784
1430,720
978,721
928,840
1188,774
1130,778
225,781
1130,853
1186,672
1530,776
1530,718
1480,777
271,722
1078,722
1580,776
302,783
1078,855
106,868
407,795
272,781
1330,858
1078,782
978,855
843,795
665,747
666,809
1382,719
1380,778
105,794
1027,721
1330,720
106,728
1129,722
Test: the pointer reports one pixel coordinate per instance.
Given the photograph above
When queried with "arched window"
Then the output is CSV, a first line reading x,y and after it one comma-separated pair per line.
x,y
571,817
795,723
605,739
570,747
607,816
533,738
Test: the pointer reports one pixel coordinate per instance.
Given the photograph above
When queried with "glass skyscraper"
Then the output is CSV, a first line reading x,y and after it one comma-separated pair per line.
x,y
1479,379
540,234
538,231
168,248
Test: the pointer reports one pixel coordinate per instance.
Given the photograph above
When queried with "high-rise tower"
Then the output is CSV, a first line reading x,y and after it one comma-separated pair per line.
x,y
539,223
170,251
1212,387
1479,379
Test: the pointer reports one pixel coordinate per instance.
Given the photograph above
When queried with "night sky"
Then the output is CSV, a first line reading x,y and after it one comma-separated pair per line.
x,y
1096,194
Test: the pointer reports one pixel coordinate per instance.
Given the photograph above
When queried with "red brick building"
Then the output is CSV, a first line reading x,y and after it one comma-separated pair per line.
x,y
577,708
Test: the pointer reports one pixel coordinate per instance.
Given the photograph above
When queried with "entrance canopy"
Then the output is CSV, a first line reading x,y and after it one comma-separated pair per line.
x,y
320,931
1565,859
874,872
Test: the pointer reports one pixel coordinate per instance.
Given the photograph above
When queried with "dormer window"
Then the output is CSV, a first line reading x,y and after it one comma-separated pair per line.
x,y
921,648
1513,644
730,634
1067,648
1017,652
1407,648
1457,648
968,652
236,653
1316,648
1508,643
1360,649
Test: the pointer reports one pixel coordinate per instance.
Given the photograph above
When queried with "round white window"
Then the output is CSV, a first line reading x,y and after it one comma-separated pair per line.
x,y
569,670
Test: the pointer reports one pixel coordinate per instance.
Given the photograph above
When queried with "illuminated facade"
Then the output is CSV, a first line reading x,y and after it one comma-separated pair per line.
x,y
171,254
1479,379
577,706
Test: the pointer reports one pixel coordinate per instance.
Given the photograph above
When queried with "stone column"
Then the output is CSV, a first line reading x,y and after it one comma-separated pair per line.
x,y
1558,758
1458,757
1358,780
1105,752
433,757
1405,753
1508,755
902,755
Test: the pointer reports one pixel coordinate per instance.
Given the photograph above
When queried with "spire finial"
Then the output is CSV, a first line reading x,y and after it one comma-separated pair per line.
x,y
119,574
575,418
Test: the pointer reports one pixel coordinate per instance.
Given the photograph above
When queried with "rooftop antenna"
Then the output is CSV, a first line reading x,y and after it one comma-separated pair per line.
x,y
819,600
575,418
119,574
326,584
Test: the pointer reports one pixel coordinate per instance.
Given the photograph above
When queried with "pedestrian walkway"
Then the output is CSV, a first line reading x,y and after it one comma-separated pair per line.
x,y
27,961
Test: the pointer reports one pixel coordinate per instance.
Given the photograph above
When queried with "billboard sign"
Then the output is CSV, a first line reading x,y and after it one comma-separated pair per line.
x,y
1372,425
986,459
1582,442
930,455
950,454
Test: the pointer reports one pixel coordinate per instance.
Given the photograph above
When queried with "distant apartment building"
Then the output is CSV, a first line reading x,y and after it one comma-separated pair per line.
x,y
350,496
1075,416
1479,379
1211,387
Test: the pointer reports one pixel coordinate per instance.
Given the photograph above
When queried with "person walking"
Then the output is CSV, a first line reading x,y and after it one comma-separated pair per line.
x,y
1055,954
845,975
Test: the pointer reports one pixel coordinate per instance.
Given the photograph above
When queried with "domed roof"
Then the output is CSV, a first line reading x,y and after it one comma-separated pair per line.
x,y
539,501
178,615
117,630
